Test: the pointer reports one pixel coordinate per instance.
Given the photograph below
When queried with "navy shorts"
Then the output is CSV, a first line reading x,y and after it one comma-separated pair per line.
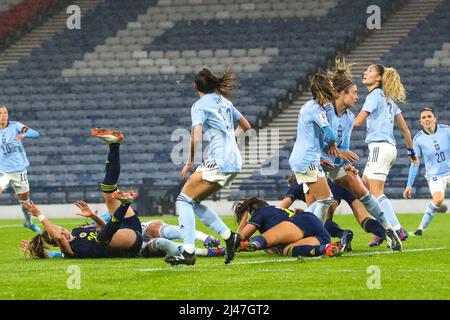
x,y
340,193
311,226
134,224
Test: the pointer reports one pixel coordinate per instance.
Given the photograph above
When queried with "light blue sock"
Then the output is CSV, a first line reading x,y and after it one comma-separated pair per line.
x,y
186,218
389,213
170,232
373,207
169,247
211,219
54,254
430,212
322,207
26,213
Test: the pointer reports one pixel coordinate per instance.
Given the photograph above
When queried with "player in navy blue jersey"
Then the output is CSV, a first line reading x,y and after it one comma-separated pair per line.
x,y
213,114
380,112
432,145
282,230
14,162
121,236
368,224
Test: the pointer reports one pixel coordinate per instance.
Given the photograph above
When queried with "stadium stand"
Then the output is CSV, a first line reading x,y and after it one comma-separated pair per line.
x,y
17,16
131,67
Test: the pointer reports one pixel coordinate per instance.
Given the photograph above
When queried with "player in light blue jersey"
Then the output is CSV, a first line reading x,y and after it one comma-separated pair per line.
x,y
432,145
213,115
305,156
340,169
14,162
381,111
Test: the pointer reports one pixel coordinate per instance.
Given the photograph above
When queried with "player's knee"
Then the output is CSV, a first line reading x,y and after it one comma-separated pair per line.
x,y
438,198
154,227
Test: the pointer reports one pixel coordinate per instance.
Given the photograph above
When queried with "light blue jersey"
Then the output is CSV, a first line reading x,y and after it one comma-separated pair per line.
x,y
217,115
342,127
434,151
12,153
380,122
312,120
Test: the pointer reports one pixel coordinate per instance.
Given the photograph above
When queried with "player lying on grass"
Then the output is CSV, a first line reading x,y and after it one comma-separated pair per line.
x,y
120,237
282,230
157,236
156,242
113,201
432,145
368,224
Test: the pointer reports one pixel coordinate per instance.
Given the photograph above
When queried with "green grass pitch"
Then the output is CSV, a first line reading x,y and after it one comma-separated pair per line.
x,y
422,271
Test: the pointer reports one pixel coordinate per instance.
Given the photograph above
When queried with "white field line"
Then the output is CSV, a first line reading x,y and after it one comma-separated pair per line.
x,y
168,268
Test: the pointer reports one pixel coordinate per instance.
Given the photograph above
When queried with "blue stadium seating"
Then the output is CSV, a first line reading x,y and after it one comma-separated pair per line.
x,y
65,108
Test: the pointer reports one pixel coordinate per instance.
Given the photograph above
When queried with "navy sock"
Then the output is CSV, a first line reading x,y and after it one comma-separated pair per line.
x,y
307,251
260,242
112,169
373,226
333,229
106,234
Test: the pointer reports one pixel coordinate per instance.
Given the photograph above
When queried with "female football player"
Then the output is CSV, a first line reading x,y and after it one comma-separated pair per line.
x,y
292,234
120,237
432,145
14,162
380,111
305,156
341,171
213,115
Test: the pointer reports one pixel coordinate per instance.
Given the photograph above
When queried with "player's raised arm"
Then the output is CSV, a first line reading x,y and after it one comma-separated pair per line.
x,y
36,245
86,211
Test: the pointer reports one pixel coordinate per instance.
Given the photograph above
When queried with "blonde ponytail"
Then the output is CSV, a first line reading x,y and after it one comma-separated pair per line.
x,y
392,85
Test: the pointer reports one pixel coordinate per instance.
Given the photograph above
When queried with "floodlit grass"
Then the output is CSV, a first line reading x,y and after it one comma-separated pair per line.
x,y
422,271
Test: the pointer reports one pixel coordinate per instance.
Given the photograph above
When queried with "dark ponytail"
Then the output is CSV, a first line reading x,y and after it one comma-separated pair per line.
x,y
247,204
208,82
322,88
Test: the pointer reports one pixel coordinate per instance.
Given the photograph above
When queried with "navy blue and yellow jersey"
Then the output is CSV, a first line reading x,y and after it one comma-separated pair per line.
x,y
85,245
268,217
295,192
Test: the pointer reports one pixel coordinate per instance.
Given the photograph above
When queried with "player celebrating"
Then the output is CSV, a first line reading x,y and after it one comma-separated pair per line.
x,y
341,171
380,110
305,156
215,114
432,145
14,162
